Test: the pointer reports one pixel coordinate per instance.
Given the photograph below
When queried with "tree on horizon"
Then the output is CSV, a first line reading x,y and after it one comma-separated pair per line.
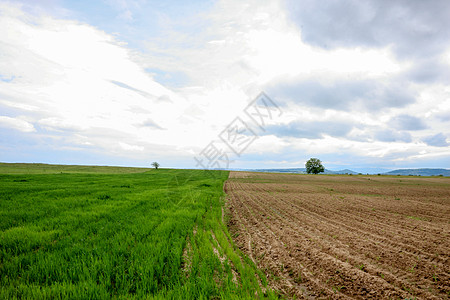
x,y
314,166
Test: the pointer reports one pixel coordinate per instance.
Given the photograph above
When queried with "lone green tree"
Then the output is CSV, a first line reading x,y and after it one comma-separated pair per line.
x,y
155,165
314,166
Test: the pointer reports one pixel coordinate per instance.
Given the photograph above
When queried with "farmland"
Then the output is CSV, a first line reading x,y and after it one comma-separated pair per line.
x,y
338,236
113,232
101,233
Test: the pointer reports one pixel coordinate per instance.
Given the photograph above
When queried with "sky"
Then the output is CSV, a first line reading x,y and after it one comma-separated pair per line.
x,y
361,85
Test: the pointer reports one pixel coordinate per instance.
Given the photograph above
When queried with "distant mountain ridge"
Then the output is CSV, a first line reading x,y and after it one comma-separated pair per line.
x,y
403,172
300,171
419,172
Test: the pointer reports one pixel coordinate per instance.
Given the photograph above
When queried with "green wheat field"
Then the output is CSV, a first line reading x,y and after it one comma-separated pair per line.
x,y
88,232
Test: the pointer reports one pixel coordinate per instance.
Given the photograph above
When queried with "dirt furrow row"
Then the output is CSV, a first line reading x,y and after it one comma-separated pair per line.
x,y
381,232
331,255
244,216
312,243
358,256
265,249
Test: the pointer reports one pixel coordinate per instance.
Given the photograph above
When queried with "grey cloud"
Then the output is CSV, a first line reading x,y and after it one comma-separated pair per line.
x,y
388,135
342,95
444,116
126,86
311,130
413,27
165,98
406,122
438,140
428,71
150,123
141,92
138,109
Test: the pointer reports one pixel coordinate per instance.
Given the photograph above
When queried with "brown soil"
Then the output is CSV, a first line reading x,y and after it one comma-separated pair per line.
x,y
363,237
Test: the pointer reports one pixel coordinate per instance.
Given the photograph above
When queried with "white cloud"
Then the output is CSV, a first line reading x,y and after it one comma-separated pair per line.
x,y
127,147
71,78
65,73
59,125
16,124
247,46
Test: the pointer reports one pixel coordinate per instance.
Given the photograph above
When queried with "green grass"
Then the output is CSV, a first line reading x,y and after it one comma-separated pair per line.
x,y
79,232
12,168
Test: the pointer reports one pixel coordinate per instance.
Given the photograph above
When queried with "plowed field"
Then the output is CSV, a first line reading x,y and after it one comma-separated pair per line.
x,y
319,236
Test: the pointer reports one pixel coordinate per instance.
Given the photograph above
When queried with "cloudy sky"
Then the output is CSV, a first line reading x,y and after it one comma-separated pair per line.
x,y
363,85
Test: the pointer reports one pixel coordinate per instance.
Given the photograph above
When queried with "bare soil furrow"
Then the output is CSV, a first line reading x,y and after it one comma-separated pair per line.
x,y
384,236
366,218
345,236
266,249
377,241
327,262
335,250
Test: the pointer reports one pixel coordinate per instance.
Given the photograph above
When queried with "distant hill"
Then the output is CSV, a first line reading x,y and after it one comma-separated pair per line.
x,y
419,172
290,170
404,172
345,171
301,171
